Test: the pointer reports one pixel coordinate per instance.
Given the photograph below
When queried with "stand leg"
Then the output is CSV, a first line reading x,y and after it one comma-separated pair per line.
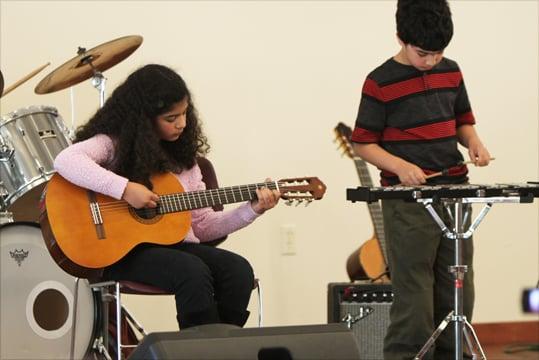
x,y
100,348
133,321
434,336
467,330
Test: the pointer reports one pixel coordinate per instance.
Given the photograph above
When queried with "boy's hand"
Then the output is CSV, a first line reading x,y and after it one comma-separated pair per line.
x,y
139,196
410,174
468,137
479,154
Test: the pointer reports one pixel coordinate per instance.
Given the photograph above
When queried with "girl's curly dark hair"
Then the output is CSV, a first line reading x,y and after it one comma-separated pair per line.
x,y
129,115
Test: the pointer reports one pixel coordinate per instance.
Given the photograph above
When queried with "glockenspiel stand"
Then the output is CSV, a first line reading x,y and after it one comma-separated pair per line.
x,y
457,196
462,327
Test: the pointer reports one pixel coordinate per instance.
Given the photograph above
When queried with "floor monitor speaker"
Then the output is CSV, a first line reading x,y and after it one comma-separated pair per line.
x,y
221,341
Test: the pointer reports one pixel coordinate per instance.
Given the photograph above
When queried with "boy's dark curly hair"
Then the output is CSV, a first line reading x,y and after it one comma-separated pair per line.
x,y
425,23
129,115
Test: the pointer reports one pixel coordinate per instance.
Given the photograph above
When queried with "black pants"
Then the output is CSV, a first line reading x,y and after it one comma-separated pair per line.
x,y
211,285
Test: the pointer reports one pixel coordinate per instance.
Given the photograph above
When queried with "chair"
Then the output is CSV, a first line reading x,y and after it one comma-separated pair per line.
x,y
134,288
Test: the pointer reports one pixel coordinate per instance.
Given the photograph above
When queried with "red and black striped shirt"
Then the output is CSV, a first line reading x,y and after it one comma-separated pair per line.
x,y
414,115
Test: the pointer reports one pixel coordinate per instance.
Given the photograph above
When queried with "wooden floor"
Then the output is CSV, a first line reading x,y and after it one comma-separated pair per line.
x,y
499,352
509,341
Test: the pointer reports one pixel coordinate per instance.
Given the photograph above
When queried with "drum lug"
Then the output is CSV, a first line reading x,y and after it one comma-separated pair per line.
x,y
6,153
40,167
47,134
3,191
21,131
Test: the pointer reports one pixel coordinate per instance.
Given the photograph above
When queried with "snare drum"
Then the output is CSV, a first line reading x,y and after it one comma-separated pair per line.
x,y
30,139
38,300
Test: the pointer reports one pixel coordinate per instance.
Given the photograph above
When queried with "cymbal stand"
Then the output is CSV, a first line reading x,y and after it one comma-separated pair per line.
x,y
98,80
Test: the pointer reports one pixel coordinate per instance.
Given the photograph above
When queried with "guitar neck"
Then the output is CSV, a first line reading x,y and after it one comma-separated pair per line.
x,y
374,208
363,172
177,202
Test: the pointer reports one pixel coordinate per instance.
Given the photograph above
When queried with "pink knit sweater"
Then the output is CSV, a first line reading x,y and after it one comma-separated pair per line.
x,y
87,164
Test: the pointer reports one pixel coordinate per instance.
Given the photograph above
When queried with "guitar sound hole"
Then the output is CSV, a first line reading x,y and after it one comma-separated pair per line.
x,y
147,214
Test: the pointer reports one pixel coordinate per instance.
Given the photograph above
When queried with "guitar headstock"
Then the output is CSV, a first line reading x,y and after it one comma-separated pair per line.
x,y
299,190
342,136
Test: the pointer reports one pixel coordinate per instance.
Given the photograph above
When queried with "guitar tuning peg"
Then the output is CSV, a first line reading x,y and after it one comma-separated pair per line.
x,y
298,201
307,202
289,202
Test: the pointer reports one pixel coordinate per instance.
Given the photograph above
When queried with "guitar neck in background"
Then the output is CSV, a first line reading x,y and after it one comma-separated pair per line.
x,y
375,209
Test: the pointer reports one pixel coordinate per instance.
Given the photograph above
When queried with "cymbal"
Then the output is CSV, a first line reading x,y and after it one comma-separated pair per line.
x,y
78,69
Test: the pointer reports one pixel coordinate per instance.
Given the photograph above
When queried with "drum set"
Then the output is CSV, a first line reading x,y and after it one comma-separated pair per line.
x,y
45,312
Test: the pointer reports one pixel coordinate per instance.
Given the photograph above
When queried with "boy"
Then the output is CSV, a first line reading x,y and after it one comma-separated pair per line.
x,y
413,111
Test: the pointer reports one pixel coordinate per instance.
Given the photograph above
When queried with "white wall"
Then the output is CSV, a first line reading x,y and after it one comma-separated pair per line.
x,y
271,80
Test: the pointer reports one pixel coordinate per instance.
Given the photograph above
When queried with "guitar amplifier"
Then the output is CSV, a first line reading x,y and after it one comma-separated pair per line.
x,y
364,308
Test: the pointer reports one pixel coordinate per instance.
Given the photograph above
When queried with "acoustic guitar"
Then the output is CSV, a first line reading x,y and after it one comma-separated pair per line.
x,y
370,259
85,231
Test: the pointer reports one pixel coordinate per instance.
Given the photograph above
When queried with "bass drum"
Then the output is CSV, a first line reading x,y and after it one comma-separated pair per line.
x,y
38,300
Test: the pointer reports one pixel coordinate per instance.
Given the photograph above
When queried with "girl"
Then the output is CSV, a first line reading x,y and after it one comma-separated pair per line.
x,y
149,125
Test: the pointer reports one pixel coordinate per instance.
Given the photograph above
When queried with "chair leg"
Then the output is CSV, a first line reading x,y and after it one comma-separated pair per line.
x,y
134,321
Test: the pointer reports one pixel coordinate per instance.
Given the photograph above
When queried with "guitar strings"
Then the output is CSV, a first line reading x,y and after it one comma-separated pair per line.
x,y
174,200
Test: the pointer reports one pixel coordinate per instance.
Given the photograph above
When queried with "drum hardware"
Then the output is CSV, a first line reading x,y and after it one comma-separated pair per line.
x,y
89,64
6,217
47,134
1,83
98,80
21,81
100,348
98,343
6,152
456,196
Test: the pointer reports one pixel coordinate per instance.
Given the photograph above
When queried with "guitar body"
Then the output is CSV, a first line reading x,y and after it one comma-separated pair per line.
x,y
81,247
368,262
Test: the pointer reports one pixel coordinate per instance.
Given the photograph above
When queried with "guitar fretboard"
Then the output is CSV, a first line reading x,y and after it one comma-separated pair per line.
x,y
170,203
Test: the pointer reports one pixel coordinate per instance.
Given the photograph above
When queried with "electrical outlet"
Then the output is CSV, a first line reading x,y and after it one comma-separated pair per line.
x,y
288,239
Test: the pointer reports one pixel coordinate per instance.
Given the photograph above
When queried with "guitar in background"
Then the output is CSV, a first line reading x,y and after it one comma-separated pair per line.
x,y
370,259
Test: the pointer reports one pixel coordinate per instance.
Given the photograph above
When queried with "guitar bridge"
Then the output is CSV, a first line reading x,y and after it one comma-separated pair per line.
x,y
96,215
